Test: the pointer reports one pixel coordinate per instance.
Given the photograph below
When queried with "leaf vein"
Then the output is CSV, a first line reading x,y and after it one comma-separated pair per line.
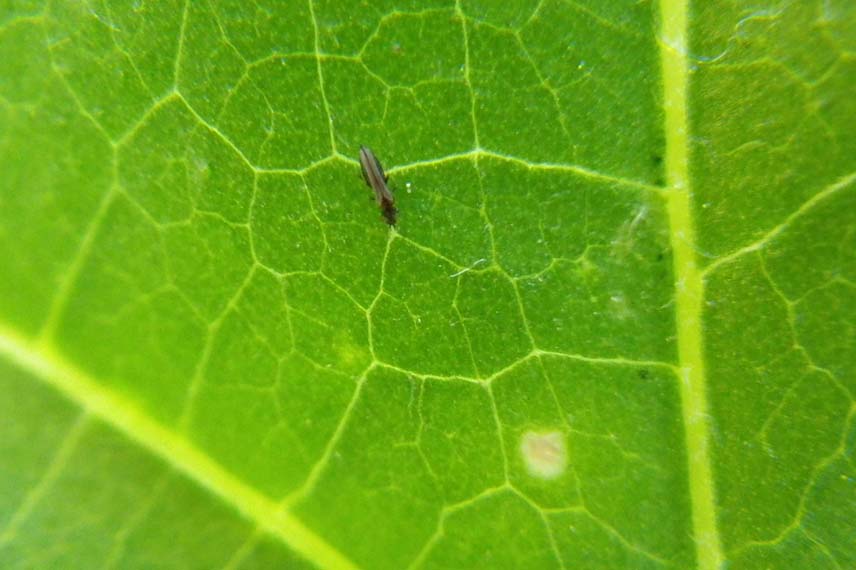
x,y
689,283
50,367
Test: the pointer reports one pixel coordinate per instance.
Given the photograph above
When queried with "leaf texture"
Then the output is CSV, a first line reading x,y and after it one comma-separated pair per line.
x,y
613,327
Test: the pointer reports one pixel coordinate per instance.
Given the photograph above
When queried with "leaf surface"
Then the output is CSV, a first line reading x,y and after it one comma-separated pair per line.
x,y
613,327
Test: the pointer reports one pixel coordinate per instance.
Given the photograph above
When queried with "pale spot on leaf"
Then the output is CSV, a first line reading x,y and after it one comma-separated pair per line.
x,y
544,453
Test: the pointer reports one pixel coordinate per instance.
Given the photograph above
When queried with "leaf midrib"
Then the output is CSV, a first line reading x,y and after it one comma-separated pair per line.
x,y
689,283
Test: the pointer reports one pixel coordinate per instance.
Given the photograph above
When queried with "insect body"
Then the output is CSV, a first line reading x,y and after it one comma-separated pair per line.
x,y
376,179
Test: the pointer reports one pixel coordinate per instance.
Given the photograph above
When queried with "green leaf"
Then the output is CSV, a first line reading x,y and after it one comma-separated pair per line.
x,y
613,328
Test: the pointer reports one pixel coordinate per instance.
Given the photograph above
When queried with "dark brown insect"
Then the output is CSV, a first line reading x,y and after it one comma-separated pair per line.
x,y
376,179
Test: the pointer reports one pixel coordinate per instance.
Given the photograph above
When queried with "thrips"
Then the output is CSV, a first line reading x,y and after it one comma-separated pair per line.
x,y
376,179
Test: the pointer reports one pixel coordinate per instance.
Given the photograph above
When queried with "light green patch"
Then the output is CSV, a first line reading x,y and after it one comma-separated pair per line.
x,y
459,438
394,53
515,536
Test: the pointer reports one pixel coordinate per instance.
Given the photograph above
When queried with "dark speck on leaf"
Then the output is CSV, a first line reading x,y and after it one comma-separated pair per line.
x,y
644,374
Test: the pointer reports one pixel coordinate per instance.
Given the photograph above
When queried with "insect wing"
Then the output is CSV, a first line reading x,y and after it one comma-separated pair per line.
x,y
372,172
380,169
365,165
374,175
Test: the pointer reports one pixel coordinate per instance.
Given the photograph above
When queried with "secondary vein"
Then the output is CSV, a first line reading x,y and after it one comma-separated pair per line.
x,y
165,443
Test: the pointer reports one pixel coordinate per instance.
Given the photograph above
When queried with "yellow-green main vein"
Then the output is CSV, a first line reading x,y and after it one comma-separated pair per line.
x,y
169,446
689,284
